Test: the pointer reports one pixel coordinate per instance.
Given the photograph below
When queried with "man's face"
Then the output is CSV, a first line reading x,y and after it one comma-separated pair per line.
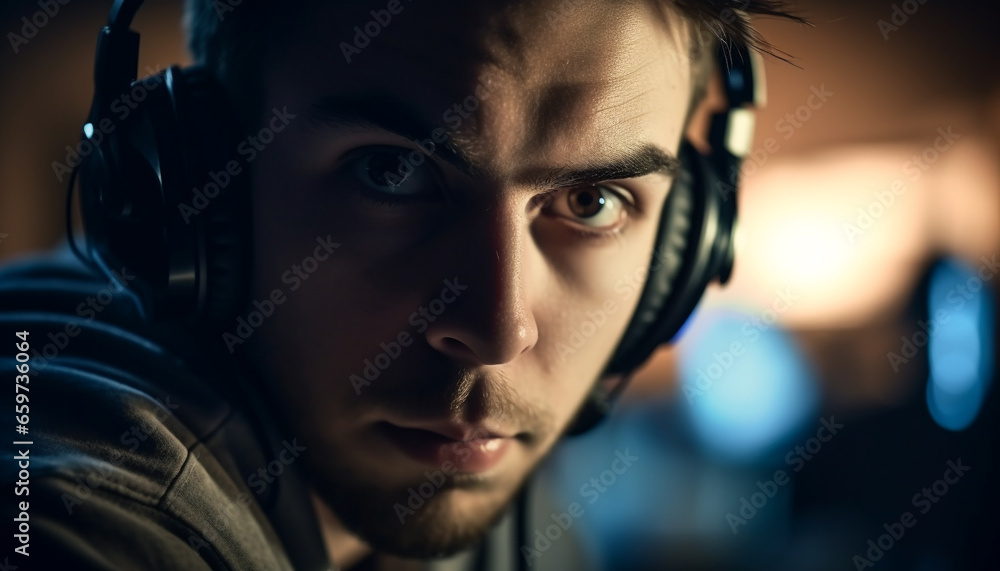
x,y
439,352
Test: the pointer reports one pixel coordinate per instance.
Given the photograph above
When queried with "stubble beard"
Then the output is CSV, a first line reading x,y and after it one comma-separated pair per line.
x,y
388,522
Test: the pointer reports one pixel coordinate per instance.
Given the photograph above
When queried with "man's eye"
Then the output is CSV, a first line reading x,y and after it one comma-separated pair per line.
x,y
388,174
598,206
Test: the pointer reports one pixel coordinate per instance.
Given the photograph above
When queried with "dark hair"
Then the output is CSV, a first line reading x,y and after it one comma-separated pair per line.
x,y
715,22
230,38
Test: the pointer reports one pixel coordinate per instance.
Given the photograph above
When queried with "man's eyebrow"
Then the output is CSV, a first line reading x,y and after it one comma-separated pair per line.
x,y
638,161
379,111
369,111
387,113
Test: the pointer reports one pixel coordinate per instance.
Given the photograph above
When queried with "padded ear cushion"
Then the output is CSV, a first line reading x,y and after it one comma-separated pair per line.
x,y
228,261
124,186
679,228
211,131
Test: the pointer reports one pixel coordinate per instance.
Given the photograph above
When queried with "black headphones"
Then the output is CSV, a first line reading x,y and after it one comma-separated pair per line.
x,y
192,260
152,142
696,243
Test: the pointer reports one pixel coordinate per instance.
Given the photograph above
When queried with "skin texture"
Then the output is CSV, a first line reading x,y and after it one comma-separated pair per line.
x,y
605,79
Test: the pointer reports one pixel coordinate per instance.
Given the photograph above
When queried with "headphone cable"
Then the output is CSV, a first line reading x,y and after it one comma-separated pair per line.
x,y
70,237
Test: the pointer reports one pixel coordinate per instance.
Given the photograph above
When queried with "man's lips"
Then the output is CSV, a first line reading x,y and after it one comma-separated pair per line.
x,y
448,447
453,431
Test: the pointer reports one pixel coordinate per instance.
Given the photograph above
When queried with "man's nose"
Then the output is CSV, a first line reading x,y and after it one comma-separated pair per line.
x,y
492,322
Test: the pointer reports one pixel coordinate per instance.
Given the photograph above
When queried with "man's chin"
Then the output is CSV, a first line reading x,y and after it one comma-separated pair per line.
x,y
408,525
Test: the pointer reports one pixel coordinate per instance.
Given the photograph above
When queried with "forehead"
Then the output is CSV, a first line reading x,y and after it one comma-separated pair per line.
x,y
544,79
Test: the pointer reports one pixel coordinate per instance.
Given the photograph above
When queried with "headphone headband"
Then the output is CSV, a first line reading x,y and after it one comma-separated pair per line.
x,y
117,60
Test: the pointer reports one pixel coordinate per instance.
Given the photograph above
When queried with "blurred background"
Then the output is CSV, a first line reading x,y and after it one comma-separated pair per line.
x,y
835,385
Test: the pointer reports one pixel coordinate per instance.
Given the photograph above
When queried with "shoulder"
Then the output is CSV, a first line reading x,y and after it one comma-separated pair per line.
x,y
132,457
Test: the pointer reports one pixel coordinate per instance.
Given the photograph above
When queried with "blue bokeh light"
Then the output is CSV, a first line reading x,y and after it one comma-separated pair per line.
x,y
960,310
747,388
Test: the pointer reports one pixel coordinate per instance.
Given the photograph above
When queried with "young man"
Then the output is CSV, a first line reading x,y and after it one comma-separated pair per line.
x,y
442,194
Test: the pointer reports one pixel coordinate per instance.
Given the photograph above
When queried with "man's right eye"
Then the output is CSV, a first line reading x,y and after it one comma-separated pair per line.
x,y
387,174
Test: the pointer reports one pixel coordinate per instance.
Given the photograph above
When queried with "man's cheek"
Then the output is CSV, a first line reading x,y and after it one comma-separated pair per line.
x,y
583,366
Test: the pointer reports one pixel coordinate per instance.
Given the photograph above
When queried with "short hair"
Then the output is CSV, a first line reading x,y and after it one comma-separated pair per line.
x,y
231,39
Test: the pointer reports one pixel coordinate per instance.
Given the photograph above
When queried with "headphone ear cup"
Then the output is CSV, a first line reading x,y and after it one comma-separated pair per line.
x,y
223,232
670,251
165,198
694,246
673,269
132,160
228,260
